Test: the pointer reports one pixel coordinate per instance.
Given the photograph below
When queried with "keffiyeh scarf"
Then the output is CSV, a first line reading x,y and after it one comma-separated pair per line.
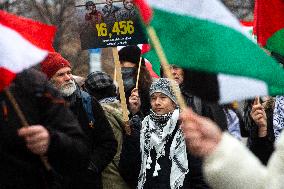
x,y
108,100
278,116
156,130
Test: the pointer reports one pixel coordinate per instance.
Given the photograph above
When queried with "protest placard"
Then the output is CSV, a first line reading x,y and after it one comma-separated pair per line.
x,y
108,23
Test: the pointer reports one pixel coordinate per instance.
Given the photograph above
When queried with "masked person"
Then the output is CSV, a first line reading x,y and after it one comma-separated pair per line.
x,y
155,154
54,132
129,58
91,117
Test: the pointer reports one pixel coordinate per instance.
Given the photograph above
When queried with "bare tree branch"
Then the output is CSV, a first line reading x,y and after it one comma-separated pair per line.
x,y
40,11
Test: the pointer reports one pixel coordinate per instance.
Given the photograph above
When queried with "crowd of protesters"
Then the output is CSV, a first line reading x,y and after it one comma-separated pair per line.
x,y
77,137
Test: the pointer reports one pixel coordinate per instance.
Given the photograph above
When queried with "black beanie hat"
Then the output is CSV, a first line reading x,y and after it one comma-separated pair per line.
x,y
130,53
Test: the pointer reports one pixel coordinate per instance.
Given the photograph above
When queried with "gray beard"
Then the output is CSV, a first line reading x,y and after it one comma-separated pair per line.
x,y
68,88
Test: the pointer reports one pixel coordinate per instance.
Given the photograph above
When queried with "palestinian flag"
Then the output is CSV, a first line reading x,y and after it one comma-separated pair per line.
x,y
206,38
269,24
23,43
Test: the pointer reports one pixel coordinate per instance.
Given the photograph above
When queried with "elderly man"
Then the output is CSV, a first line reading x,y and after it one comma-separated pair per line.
x,y
91,118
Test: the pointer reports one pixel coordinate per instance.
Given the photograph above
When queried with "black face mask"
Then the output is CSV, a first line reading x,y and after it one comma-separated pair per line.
x,y
128,75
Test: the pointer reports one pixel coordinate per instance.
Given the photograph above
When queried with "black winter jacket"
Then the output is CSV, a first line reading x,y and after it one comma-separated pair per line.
x,y
262,147
130,163
100,139
213,111
41,104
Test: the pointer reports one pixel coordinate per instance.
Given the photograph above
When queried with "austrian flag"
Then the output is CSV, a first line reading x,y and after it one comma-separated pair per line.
x,y
23,43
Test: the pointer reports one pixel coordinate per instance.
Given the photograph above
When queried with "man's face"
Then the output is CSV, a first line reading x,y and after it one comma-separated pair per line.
x,y
109,2
128,4
161,104
63,81
178,74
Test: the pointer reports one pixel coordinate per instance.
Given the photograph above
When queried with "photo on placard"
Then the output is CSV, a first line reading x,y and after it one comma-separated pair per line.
x,y
109,23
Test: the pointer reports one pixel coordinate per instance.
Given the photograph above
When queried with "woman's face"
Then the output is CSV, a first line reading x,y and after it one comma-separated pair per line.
x,y
161,104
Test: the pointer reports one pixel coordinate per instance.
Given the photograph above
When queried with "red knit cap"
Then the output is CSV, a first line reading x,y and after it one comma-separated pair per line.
x,y
53,62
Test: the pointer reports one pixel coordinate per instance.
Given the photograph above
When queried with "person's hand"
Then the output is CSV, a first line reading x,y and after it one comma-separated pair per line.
x,y
37,138
259,117
134,101
201,134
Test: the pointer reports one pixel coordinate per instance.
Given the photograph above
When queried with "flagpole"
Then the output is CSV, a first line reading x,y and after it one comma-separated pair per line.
x,y
165,64
24,122
16,107
138,73
114,74
121,90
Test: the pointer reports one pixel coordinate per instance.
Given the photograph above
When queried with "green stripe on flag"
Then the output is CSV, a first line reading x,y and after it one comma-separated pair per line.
x,y
276,42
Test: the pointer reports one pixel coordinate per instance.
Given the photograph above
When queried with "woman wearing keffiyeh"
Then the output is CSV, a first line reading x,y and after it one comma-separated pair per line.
x,y
157,146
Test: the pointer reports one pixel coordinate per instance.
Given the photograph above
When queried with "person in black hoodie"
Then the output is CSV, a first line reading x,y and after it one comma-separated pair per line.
x,y
129,58
91,118
54,133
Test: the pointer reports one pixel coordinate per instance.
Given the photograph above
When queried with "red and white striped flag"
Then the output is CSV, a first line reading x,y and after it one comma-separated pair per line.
x,y
23,43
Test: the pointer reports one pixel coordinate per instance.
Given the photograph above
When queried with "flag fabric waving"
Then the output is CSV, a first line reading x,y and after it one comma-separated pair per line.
x,y
23,43
248,27
204,36
269,24
150,69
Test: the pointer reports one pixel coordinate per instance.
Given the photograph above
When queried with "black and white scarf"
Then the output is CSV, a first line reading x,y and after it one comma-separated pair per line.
x,y
108,100
155,132
278,116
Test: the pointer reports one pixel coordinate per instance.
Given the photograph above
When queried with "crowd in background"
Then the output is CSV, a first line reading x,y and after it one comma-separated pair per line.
x,y
79,128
